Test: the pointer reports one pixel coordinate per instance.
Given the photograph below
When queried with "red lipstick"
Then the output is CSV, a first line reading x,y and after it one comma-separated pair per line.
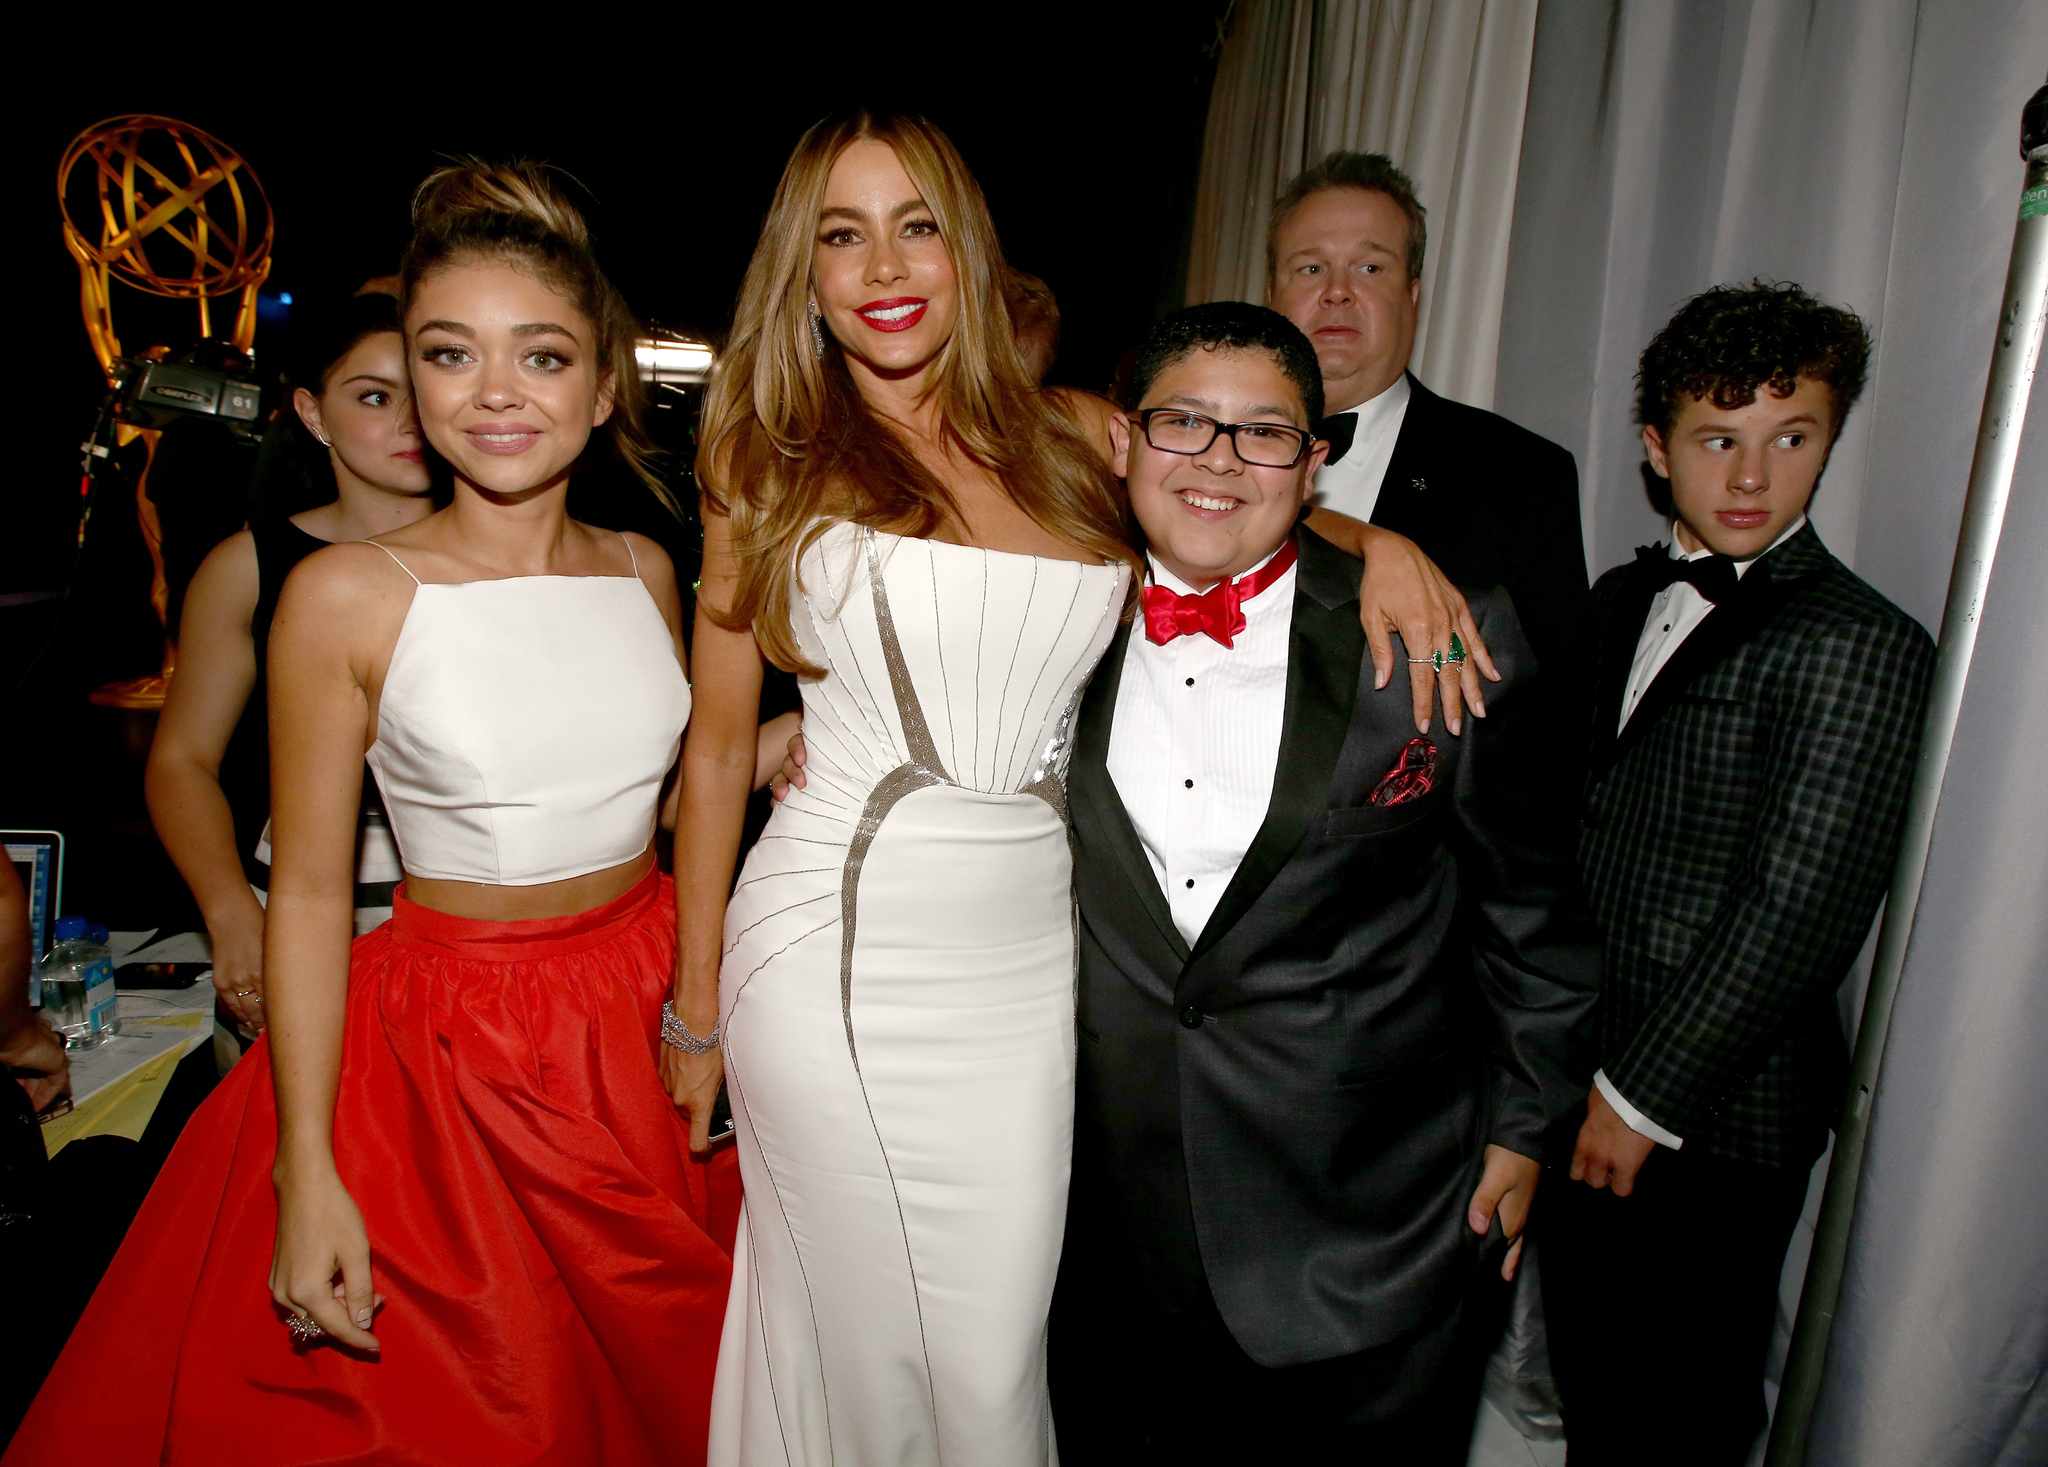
x,y
897,313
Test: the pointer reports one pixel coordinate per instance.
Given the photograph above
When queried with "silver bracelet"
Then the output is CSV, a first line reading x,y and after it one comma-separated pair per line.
x,y
676,1034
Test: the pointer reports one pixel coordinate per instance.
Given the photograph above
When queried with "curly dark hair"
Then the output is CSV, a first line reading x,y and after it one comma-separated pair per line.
x,y
1726,343
1228,326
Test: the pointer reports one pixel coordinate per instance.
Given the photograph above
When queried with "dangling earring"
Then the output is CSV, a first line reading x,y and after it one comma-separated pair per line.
x,y
325,441
818,335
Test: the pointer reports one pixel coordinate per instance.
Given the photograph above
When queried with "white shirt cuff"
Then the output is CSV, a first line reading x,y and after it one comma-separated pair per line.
x,y
1641,1124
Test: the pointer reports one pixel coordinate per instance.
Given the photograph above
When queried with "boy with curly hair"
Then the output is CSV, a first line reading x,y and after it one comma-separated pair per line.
x,y
1758,712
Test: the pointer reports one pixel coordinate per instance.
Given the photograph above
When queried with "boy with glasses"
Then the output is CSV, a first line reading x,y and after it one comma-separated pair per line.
x,y
1332,975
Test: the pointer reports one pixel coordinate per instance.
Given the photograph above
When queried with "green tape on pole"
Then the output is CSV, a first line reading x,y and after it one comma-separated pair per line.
x,y
2034,202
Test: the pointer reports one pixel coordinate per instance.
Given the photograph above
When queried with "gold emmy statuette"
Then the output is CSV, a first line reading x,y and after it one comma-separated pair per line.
x,y
169,210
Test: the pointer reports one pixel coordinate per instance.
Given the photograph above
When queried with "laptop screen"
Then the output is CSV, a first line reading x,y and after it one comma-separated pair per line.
x,y
38,857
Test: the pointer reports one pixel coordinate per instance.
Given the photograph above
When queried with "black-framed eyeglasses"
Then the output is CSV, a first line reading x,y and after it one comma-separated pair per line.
x,y
1268,445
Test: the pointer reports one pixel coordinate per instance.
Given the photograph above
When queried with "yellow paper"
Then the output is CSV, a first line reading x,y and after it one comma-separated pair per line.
x,y
124,1107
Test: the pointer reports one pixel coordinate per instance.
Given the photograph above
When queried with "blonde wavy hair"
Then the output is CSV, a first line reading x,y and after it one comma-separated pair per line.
x,y
519,212
788,446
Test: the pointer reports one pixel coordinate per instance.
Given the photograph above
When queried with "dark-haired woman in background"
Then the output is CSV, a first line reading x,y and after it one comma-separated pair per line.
x,y
353,408
468,1145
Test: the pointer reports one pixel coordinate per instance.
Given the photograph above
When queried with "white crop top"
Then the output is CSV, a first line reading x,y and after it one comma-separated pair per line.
x,y
526,726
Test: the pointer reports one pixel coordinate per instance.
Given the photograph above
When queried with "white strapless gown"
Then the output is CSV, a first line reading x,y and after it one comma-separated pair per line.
x,y
898,1002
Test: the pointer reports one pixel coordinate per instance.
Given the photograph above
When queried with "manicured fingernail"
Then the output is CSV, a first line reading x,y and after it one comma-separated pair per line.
x,y
1457,726
363,1317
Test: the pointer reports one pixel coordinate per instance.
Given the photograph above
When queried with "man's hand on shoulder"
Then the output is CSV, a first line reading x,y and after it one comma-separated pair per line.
x,y
1609,1153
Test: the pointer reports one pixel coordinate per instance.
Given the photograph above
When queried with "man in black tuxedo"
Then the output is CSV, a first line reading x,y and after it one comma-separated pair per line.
x,y
1490,502
1332,975
1758,713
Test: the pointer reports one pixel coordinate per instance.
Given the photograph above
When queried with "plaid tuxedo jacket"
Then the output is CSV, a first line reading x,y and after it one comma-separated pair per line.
x,y
1738,835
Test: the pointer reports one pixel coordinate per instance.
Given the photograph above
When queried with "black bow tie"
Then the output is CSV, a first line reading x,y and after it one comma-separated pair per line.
x,y
1339,429
1713,576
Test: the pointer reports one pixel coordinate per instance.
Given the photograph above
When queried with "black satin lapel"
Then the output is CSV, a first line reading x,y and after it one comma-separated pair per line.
x,y
1400,507
1617,656
1325,650
1724,629
1088,779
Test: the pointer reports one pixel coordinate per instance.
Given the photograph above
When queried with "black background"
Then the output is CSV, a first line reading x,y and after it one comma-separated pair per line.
x,y
1083,124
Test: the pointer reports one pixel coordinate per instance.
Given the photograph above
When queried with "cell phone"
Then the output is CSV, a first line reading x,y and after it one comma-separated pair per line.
x,y
160,975
722,1128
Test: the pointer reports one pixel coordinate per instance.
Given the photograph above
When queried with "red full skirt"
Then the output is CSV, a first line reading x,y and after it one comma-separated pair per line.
x,y
554,1261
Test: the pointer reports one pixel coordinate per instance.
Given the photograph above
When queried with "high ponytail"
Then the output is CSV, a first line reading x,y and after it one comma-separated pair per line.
x,y
518,212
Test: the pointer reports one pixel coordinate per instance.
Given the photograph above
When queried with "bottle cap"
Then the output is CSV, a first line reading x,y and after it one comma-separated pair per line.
x,y
70,927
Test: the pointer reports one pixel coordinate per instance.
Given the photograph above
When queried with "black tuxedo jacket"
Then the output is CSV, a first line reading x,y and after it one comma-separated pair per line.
x,y
1738,835
1496,505
1380,992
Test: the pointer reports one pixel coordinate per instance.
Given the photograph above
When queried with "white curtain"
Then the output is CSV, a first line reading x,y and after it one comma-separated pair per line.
x,y
1867,149
1441,88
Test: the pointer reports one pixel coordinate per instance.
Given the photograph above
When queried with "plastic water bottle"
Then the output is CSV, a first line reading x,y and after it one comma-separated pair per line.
x,y
79,996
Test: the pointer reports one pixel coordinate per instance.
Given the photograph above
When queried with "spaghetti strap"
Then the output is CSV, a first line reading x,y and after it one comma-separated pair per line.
x,y
401,564
629,551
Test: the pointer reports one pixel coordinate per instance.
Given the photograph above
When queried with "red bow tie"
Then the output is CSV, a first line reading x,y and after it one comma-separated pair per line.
x,y
1169,614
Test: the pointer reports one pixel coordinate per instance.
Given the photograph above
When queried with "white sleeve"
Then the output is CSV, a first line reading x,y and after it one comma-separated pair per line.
x,y
1641,1124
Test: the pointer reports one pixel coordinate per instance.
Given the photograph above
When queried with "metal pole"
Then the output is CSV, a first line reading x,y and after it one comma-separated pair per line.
x,y
2013,358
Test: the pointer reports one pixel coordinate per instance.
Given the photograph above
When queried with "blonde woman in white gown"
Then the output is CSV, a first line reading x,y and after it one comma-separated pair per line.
x,y
893,510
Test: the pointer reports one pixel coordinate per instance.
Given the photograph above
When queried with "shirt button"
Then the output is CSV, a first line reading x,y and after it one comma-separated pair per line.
x,y
1191,882
1191,682
1191,1018
1189,783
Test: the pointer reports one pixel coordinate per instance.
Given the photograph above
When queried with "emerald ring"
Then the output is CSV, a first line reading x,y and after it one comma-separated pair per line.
x,y
1441,660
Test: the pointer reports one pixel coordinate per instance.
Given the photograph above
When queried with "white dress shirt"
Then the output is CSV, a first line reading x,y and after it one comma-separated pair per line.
x,y
1675,612
1195,742
1352,485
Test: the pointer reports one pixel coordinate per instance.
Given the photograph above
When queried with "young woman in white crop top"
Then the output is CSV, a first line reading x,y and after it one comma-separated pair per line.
x,y
491,1241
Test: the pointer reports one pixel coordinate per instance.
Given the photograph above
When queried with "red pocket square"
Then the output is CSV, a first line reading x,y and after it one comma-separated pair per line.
x,y
1412,777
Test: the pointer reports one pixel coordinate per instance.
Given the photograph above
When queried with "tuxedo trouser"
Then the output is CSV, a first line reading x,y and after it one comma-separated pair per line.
x,y
1136,1383
1145,1370
1659,1307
